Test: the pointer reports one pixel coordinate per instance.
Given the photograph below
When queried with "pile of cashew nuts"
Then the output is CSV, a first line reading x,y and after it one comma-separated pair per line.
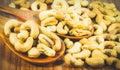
x,y
32,39
70,17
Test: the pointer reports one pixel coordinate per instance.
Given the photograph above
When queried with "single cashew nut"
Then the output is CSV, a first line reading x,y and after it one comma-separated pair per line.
x,y
68,43
35,4
11,24
62,28
111,60
46,50
23,35
52,28
114,28
34,29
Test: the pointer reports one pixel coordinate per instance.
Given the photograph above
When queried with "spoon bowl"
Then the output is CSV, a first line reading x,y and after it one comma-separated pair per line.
x,y
38,60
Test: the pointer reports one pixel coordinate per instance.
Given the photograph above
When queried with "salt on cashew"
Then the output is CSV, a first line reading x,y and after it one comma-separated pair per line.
x,y
23,35
24,47
49,21
75,48
52,28
83,54
46,50
62,28
34,52
42,6
114,28
110,52
32,26
59,5
71,61
68,43
45,40
53,36
12,23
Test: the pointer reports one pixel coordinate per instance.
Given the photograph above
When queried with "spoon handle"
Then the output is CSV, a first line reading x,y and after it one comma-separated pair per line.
x,y
21,14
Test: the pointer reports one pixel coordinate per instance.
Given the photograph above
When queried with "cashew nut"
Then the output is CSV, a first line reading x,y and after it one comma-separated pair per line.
x,y
83,54
9,25
110,52
34,52
98,29
23,35
62,28
71,61
111,60
75,48
52,28
68,43
46,50
35,4
117,48
24,47
114,28
45,40
53,36
34,29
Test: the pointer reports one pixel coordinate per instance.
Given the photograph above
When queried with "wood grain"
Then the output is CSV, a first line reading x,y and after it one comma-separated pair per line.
x,y
9,61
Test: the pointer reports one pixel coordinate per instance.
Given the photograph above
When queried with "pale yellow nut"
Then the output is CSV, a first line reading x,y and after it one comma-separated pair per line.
x,y
46,50
32,26
68,43
24,47
23,35
18,2
12,23
114,28
52,28
49,1
34,6
12,5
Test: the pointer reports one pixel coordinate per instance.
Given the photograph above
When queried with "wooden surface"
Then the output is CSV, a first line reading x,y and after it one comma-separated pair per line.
x,y
9,61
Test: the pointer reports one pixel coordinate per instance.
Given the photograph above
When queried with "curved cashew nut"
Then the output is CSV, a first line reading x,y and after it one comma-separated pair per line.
x,y
110,52
75,48
95,61
46,50
83,54
24,47
23,35
34,53
34,6
79,32
62,28
114,28
34,30
68,43
49,21
45,40
108,5
11,24
52,28
111,60
103,25
98,29
70,60
59,5
109,44
54,37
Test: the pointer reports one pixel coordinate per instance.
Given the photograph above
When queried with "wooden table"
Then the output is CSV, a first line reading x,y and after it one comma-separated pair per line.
x,y
9,61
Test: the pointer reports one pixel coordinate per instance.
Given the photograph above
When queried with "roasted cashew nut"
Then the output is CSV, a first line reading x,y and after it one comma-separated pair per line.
x,y
11,24
114,28
46,50
23,35
34,6
62,28
75,48
71,61
45,40
52,28
53,36
83,54
34,52
68,43
59,5
34,29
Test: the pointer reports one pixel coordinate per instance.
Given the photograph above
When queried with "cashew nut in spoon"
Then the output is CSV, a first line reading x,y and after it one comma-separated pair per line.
x,y
32,26
46,50
45,40
53,36
34,52
75,48
11,24
35,4
23,35
68,43
62,28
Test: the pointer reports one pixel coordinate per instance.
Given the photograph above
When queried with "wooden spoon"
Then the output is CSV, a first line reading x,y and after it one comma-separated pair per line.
x,y
33,15
39,60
